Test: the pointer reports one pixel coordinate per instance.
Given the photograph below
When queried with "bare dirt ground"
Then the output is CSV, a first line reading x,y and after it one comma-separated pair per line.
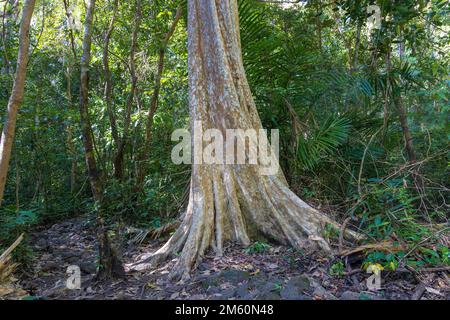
x,y
277,273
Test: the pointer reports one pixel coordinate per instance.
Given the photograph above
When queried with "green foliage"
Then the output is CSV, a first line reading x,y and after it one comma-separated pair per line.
x,y
337,269
257,247
322,141
388,211
389,261
12,224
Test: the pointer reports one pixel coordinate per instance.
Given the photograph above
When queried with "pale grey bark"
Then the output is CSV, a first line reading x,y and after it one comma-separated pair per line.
x,y
16,98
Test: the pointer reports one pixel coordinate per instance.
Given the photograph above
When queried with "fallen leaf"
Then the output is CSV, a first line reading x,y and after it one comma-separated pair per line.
x,y
434,291
255,272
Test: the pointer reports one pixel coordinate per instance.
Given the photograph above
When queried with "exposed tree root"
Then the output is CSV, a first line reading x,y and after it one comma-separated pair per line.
x,y
227,204
110,264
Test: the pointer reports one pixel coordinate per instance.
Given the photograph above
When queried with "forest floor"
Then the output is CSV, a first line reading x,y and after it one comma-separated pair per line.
x,y
277,273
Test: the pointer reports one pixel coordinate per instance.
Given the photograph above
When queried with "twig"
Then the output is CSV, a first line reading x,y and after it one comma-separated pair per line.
x,y
418,293
403,270
423,241
7,252
341,234
385,246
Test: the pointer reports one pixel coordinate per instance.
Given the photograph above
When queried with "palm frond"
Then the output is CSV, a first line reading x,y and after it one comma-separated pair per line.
x,y
323,141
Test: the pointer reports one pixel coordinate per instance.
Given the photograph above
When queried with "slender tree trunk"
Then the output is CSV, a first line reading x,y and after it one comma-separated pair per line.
x,y
398,104
110,265
318,6
4,38
119,156
69,22
70,145
107,72
402,115
409,145
230,201
17,186
354,62
16,98
144,154
7,20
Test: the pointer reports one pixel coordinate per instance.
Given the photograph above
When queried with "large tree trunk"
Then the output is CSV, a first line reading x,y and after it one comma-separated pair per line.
x,y
230,202
16,98
110,265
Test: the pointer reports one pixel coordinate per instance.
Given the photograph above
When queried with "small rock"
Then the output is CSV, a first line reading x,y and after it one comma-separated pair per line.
x,y
291,293
268,296
213,290
72,260
266,286
228,293
89,290
88,267
197,297
242,291
209,281
41,244
302,283
122,296
50,265
350,295
66,253
295,288
174,295
235,276
219,296
321,292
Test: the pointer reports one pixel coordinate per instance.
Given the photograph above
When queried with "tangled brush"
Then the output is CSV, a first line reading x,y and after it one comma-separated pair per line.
x,y
8,286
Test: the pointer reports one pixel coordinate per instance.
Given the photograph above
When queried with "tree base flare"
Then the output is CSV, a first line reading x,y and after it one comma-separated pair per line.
x,y
111,266
232,202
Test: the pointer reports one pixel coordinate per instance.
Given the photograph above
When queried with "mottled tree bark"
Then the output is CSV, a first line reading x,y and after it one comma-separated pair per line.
x,y
144,153
110,265
230,202
69,22
16,97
